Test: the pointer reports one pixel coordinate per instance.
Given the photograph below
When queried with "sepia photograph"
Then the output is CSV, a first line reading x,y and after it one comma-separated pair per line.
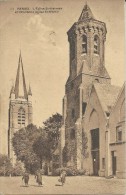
x,y
62,97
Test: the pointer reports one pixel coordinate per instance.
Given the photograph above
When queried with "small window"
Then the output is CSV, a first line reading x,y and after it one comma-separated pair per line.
x,y
103,163
84,104
96,45
84,44
73,113
118,133
96,80
72,134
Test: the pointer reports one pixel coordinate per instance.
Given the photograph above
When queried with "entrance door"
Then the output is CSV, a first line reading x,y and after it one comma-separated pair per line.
x,y
95,150
95,158
113,163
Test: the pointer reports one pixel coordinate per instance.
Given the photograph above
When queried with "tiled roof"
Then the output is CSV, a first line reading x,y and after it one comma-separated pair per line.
x,y
107,95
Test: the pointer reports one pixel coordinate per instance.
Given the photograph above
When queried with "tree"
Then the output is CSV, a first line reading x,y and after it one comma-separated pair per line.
x,y
18,169
42,149
52,127
5,165
22,142
47,142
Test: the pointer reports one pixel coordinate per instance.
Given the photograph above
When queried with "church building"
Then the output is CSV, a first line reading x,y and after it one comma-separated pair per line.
x,y
20,107
93,109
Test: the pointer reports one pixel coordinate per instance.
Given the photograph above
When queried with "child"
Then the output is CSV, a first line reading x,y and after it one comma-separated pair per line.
x,y
63,177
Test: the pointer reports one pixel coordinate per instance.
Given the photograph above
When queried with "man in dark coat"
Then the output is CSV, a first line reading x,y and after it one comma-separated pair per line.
x,y
26,178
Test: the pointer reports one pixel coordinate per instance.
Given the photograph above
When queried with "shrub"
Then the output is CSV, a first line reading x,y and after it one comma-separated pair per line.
x,y
81,172
17,169
5,165
69,170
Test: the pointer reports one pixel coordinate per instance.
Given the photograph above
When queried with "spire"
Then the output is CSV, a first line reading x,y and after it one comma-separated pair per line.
x,y
29,91
86,13
20,85
12,90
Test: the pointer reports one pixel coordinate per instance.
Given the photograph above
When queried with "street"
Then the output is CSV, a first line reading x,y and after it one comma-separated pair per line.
x,y
73,185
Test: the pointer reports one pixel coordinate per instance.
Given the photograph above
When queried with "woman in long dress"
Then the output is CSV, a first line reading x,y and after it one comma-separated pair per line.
x,y
39,178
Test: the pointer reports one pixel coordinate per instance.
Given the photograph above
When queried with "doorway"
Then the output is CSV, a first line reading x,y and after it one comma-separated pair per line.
x,y
95,158
95,150
113,163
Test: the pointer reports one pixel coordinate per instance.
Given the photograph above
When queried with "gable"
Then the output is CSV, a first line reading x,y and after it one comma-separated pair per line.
x,y
119,106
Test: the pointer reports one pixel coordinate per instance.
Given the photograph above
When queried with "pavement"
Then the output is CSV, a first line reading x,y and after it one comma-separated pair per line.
x,y
74,185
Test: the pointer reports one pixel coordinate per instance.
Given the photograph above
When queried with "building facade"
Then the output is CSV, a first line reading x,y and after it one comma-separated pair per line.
x,y
20,107
89,97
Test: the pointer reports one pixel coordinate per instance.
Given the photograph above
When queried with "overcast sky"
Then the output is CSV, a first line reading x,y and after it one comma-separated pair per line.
x,y
44,45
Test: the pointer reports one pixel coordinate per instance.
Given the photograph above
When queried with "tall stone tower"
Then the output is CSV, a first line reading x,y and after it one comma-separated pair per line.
x,y
87,65
20,107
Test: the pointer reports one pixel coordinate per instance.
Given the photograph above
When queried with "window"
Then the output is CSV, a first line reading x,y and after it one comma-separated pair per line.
x,y
72,134
95,139
84,104
103,163
84,44
96,44
118,133
21,116
96,80
73,113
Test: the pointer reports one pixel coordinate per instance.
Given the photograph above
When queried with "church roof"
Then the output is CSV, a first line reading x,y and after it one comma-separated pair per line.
x,y
20,85
94,70
121,92
86,13
107,95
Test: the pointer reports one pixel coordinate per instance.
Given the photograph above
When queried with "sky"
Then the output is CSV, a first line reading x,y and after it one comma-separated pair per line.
x,y
42,39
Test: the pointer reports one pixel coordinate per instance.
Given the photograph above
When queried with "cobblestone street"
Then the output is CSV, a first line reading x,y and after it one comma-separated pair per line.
x,y
73,185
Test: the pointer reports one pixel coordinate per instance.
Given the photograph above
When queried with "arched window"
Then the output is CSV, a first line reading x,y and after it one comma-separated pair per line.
x,y
21,116
96,45
84,44
96,80
84,104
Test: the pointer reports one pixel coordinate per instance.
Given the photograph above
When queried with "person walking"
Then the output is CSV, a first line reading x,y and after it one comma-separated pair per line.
x,y
38,177
63,177
26,178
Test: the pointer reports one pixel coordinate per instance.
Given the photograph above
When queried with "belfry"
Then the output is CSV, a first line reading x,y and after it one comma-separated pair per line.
x,y
89,132
20,107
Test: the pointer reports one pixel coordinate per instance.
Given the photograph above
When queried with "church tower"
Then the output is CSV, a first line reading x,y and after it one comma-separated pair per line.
x,y
86,39
20,107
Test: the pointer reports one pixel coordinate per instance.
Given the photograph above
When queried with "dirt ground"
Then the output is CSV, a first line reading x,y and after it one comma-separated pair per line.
x,y
73,185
